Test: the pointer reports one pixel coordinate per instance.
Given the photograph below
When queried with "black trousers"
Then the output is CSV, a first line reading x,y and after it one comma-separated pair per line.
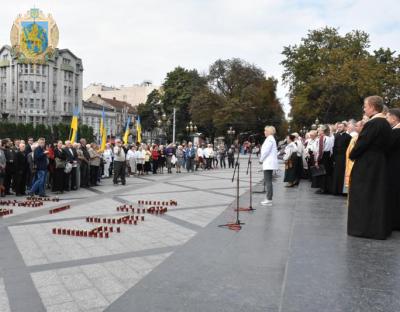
x,y
8,177
84,174
231,162
222,162
208,163
189,164
70,180
19,182
94,173
119,171
58,180
155,166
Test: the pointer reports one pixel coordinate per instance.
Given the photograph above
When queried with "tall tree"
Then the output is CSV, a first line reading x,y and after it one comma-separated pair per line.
x,y
179,87
146,110
249,99
329,75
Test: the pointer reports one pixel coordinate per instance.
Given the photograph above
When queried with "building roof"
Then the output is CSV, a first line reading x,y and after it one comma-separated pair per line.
x,y
120,105
92,105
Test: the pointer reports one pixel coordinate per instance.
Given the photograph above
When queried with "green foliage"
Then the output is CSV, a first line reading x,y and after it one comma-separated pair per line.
x,y
329,75
179,87
50,133
240,96
146,110
234,93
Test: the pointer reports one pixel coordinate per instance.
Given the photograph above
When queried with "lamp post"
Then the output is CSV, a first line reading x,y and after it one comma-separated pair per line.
x,y
303,131
191,129
314,126
231,133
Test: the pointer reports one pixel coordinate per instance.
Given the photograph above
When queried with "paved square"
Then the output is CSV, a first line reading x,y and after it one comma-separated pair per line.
x,y
293,256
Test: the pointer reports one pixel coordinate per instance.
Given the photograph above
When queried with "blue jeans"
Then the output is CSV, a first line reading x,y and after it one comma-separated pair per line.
x,y
39,182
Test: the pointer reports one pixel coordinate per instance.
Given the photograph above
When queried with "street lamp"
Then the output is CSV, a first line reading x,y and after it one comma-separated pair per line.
x,y
303,131
314,126
231,133
191,129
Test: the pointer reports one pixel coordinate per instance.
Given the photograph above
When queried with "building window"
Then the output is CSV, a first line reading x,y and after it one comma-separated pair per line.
x,y
65,90
43,103
65,106
37,103
31,68
31,85
26,68
26,85
25,102
38,69
66,61
21,103
21,87
43,87
37,86
31,103
54,106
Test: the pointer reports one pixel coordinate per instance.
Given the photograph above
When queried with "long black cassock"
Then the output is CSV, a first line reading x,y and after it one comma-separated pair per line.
x,y
394,175
368,212
342,141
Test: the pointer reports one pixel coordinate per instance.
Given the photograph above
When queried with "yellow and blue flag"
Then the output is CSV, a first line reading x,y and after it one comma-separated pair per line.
x,y
138,130
126,135
74,127
103,131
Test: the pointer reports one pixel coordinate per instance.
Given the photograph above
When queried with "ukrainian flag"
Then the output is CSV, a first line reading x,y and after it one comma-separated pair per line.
x,y
138,130
74,127
103,131
126,135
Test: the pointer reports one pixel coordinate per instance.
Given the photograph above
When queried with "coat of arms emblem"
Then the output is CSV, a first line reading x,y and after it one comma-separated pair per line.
x,y
34,37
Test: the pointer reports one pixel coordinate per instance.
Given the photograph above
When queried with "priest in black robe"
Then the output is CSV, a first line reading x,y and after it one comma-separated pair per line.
x,y
393,117
342,140
368,211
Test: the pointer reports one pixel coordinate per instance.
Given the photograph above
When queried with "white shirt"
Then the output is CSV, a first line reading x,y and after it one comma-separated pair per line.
x,y
328,145
199,152
269,154
130,154
290,149
107,155
139,155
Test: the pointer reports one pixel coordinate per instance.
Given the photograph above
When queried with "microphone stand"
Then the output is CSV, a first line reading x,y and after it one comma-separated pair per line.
x,y
237,225
249,169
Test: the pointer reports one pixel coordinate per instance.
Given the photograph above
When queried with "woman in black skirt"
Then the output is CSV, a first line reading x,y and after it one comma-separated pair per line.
x,y
60,158
291,161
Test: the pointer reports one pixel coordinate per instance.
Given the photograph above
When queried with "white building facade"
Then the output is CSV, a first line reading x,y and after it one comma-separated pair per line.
x,y
134,95
40,93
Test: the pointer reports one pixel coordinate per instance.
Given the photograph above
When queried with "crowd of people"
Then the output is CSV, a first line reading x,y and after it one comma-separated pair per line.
x,y
32,167
360,159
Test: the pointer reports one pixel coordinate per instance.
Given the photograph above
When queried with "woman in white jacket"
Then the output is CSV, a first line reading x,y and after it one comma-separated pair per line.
x,y
269,160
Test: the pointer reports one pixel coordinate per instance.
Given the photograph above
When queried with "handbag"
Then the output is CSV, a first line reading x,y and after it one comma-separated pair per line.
x,y
318,171
59,163
173,159
68,167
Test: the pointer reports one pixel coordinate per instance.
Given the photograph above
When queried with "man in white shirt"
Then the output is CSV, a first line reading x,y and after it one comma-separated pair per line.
x,y
119,162
269,160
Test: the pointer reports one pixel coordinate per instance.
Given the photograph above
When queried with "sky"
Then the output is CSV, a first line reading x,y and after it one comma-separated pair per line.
x,y
124,42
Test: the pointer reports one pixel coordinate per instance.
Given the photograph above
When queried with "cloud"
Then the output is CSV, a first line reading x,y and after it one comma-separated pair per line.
x,y
126,42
